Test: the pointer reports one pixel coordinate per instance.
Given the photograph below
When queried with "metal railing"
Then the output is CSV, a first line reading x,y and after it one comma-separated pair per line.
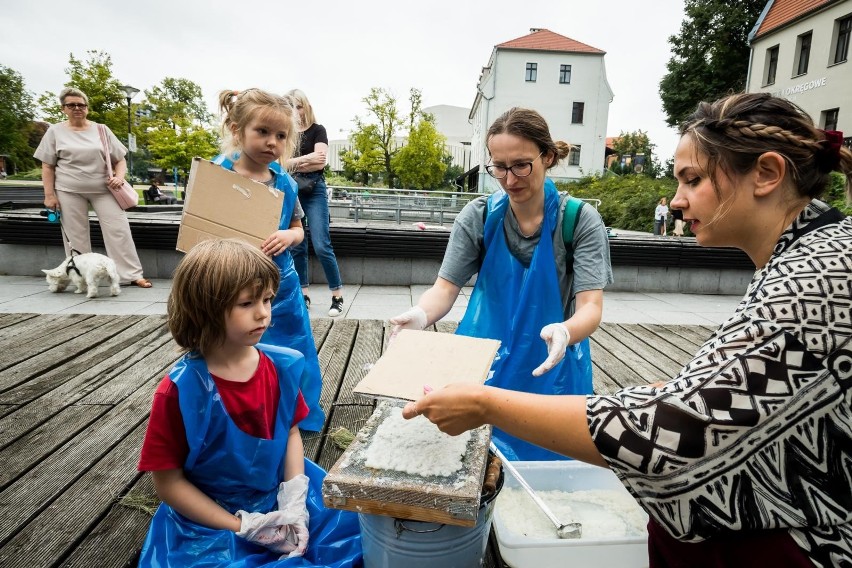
x,y
401,205
397,205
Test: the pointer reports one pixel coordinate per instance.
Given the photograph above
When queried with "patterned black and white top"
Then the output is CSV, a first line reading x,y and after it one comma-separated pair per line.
x,y
756,431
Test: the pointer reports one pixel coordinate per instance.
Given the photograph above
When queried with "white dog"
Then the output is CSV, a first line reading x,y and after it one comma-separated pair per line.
x,y
85,271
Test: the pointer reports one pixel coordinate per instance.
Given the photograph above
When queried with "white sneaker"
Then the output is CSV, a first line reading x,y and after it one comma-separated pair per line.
x,y
336,307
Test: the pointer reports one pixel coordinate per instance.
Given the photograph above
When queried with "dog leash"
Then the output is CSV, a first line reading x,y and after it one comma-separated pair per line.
x,y
71,265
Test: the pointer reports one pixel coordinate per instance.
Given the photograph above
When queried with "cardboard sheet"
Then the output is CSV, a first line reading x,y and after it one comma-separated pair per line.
x,y
417,358
223,204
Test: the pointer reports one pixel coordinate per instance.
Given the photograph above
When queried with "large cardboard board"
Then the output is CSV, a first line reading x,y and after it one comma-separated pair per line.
x,y
223,204
418,358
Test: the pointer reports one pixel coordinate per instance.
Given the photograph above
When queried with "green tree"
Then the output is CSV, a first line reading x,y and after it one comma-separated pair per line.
x,y
419,163
175,125
16,119
93,76
378,131
639,148
176,147
451,173
364,157
710,54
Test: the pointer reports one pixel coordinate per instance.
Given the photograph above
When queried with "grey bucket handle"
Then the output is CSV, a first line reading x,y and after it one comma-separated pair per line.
x,y
399,526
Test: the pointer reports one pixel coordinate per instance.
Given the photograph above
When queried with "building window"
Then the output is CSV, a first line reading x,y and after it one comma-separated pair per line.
x,y
771,66
532,72
577,113
829,119
565,74
803,53
844,31
574,155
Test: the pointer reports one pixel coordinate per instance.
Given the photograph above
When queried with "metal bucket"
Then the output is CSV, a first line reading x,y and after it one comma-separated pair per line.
x,y
395,543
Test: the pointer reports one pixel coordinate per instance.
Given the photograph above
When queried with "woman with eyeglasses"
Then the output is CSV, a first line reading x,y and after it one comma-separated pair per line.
x,y
538,291
74,174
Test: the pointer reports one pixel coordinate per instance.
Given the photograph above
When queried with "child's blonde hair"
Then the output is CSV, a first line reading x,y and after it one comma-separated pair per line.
x,y
206,285
240,108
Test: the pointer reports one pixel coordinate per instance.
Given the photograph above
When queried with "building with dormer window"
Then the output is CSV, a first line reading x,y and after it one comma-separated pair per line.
x,y
801,50
559,77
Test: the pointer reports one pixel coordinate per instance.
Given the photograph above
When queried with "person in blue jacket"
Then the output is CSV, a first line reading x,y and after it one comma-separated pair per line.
x,y
223,442
260,135
539,287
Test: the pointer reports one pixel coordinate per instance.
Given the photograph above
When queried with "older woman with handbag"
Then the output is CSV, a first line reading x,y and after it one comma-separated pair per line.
x,y
76,173
307,169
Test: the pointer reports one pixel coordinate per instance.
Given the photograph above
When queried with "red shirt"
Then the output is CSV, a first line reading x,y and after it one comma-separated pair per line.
x,y
252,405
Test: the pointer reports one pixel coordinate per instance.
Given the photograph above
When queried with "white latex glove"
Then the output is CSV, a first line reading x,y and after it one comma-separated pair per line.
x,y
415,319
271,530
556,336
292,496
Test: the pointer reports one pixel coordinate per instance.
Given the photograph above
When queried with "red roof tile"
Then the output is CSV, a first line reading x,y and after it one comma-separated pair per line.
x,y
546,40
785,11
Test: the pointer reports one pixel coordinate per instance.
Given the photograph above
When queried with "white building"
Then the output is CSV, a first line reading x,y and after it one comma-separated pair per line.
x,y
559,77
800,50
452,122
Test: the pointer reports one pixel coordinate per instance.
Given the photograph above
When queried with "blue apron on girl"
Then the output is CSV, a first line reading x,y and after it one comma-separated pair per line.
x,y
240,471
291,324
512,303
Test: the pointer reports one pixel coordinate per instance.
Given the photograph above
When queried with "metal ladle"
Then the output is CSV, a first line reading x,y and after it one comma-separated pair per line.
x,y
563,530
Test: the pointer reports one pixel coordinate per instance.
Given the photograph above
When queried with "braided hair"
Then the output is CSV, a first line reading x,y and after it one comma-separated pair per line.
x,y
736,130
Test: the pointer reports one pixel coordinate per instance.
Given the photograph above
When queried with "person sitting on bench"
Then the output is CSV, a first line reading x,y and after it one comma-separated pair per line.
x,y
155,196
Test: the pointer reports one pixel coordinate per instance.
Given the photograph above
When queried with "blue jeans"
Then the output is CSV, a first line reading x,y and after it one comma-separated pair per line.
x,y
315,204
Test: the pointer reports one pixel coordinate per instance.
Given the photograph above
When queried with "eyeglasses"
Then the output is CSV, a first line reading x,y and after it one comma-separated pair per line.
x,y
70,106
520,170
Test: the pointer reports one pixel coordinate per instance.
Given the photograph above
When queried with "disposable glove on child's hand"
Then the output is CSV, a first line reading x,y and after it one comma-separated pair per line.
x,y
273,530
292,496
415,319
556,336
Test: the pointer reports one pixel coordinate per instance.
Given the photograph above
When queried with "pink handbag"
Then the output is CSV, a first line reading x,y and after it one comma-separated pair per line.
x,y
126,196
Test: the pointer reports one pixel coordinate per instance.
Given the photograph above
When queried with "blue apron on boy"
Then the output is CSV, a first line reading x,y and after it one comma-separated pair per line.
x,y
240,471
291,324
512,303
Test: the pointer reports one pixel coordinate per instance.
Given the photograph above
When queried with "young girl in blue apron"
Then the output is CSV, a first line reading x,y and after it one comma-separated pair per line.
x,y
260,135
223,442
531,294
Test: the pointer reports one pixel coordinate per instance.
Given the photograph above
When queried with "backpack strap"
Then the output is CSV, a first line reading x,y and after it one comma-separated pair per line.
x,y
570,218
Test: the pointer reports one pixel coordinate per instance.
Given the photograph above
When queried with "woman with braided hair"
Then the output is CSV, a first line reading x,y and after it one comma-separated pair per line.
x,y
743,458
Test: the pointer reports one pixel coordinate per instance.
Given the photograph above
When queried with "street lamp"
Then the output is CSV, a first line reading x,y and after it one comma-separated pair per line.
x,y
130,92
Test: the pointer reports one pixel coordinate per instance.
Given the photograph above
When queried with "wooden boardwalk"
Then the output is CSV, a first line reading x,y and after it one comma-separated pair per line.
x,y
75,391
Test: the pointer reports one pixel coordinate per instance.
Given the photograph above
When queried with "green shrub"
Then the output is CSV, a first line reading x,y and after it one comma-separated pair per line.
x,y
31,175
627,202
836,193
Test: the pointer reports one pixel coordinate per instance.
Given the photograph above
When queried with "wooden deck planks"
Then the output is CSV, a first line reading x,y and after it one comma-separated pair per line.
x,y
21,362
56,529
8,320
72,418
116,540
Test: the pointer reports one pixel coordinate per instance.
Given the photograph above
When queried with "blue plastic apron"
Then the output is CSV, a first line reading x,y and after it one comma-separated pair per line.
x,y
240,471
512,303
291,324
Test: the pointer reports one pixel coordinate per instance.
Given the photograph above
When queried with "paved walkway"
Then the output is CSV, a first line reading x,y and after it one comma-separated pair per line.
x,y
30,294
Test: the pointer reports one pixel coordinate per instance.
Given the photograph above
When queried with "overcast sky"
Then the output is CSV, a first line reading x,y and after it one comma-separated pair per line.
x,y
336,50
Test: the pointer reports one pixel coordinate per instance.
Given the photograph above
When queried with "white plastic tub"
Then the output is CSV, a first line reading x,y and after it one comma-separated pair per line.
x,y
519,551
